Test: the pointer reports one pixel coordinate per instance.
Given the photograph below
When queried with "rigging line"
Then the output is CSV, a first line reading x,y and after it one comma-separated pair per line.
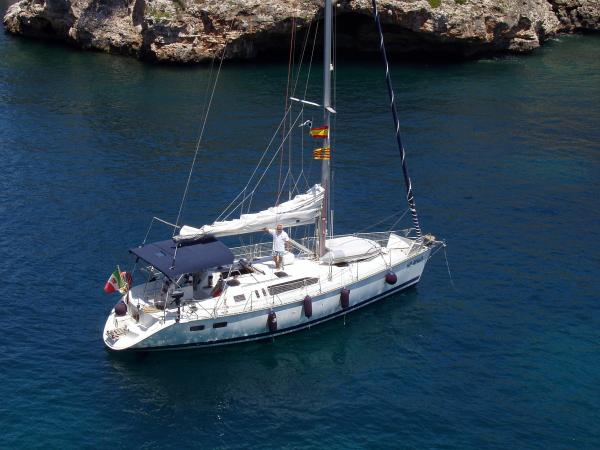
x,y
247,198
304,46
266,169
398,220
310,165
292,180
205,110
278,150
407,182
287,94
312,53
157,219
303,176
251,199
187,185
242,204
383,220
296,81
225,211
295,188
295,180
287,174
148,232
283,184
244,189
294,33
208,85
448,267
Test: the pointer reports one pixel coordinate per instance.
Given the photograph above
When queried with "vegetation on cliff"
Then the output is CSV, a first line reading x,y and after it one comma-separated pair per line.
x,y
189,31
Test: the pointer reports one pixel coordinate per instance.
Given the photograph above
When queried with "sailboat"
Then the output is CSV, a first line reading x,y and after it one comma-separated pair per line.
x,y
198,292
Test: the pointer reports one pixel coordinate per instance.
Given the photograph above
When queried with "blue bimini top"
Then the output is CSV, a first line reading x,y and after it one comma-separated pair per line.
x,y
189,258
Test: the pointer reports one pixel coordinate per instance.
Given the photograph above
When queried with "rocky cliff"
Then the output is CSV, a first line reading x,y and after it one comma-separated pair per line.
x,y
189,31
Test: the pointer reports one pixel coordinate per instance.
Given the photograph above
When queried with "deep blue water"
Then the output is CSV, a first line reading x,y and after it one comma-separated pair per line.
x,y
505,160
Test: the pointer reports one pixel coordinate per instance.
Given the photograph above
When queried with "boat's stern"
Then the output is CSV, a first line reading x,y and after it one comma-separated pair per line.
x,y
123,329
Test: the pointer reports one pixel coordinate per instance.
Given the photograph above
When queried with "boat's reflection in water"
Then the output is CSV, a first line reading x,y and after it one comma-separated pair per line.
x,y
279,370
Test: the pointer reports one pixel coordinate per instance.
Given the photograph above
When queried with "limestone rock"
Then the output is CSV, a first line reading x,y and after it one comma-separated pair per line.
x,y
190,31
578,14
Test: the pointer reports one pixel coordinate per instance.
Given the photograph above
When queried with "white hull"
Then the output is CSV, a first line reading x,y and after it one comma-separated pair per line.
x,y
243,323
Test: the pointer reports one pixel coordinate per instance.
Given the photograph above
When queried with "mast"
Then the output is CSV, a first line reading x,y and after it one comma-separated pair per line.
x,y
325,168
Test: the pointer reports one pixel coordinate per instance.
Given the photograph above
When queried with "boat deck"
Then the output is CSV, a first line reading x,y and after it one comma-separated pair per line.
x,y
251,292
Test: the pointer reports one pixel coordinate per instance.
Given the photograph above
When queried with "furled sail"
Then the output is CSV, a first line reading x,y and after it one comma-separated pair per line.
x,y
301,210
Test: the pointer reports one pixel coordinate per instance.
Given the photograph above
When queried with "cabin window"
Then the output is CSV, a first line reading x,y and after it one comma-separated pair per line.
x,y
257,294
264,291
197,328
219,324
239,298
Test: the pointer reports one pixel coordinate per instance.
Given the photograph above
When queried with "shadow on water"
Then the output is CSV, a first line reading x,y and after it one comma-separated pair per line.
x,y
343,345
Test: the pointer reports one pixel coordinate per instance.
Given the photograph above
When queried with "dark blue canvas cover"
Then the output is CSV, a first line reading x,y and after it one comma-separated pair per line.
x,y
192,257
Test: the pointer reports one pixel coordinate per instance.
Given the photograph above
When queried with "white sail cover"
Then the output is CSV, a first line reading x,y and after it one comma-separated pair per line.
x,y
301,210
349,248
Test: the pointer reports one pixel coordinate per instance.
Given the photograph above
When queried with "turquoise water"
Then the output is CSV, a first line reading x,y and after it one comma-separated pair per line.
x,y
505,160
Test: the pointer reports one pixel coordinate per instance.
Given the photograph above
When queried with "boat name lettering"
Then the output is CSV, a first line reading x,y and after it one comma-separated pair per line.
x,y
415,261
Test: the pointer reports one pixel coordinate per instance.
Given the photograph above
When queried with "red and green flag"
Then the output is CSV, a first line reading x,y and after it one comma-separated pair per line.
x,y
115,283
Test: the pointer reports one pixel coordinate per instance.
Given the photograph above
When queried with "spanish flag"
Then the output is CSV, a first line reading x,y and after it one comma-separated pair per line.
x,y
322,153
320,132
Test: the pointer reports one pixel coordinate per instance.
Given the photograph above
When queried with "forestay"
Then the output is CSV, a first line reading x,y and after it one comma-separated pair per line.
x,y
301,210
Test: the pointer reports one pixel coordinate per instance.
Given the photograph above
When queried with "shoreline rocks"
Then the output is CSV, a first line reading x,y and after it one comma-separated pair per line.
x,y
194,31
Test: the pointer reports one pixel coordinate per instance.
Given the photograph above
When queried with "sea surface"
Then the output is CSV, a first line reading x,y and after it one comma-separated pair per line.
x,y
505,159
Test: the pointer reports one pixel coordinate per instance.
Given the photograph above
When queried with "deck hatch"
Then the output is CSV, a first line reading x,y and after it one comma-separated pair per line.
x,y
291,285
